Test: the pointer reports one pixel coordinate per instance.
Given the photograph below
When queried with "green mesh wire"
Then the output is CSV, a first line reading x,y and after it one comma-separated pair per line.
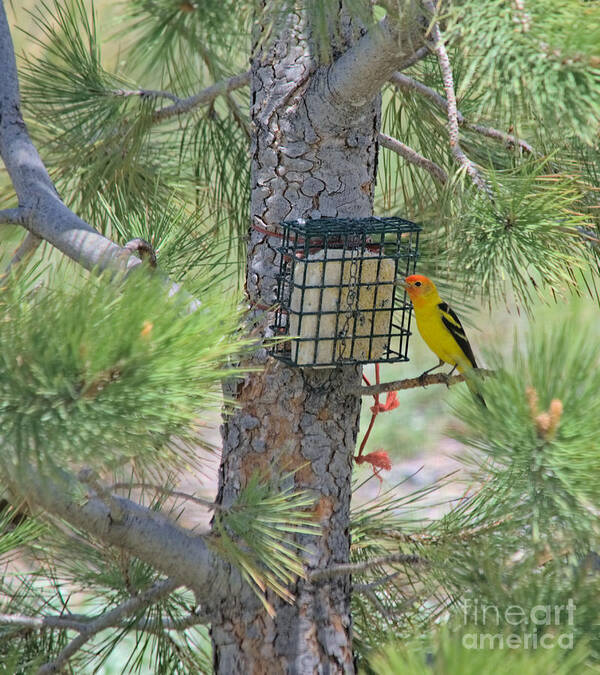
x,y
337,293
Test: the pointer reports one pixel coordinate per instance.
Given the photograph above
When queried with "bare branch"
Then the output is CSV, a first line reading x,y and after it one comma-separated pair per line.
x,y
354,568
508,139
195,618
356,78
414,157
165,491
428,539
13,216
39,622
178,553
365,588
28,246
47,216
421,53
410,84
146,93
240,118
81,622
184,105
448,80
108,619
412,383
203,97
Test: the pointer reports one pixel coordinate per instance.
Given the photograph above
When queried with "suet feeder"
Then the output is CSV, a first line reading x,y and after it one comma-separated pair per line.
x,y
338,299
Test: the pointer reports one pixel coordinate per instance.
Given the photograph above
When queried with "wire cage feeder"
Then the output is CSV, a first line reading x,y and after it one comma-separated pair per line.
x,y
337,294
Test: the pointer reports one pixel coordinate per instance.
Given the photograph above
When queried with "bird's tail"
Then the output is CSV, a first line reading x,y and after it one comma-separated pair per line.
x,y
472,383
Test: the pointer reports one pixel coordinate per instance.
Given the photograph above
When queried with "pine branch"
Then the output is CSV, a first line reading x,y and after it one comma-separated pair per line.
x,y
137,530
508,139
40,208
108,619
419,54
357,76
194,618
169,493
40,622
366,588
354,568
413,157
204,97
81,623
429,539
410,84
12,217
241,120
146,93
27,247
448,79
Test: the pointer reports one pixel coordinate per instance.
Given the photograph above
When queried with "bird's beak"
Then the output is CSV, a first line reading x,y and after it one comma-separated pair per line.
x,y
403,284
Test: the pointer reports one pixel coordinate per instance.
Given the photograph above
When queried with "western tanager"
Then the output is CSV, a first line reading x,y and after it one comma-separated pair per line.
x,y
440,327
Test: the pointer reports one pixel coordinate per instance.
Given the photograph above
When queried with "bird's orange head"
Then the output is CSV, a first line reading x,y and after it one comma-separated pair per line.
x,y
421,290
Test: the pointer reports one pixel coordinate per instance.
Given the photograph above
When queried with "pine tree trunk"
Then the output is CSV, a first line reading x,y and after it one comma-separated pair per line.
x,y
310,158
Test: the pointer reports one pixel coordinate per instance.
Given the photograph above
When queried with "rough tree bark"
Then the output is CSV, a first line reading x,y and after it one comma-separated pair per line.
x,y
314,154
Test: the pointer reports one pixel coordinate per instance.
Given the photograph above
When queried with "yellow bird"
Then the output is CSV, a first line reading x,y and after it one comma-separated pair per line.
x,y
440,328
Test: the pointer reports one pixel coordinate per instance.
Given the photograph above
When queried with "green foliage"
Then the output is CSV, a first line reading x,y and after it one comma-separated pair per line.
x,y
170,37
525,536
81,110
124,157
216,146
147,645
16,530
71,565
407,597
186,246
542,418
445,653
390,599
526,236
103,373
22,650
415,121
24,653
254,534
87,369
167,653
493,248
535,451
545,57
162,638
106,575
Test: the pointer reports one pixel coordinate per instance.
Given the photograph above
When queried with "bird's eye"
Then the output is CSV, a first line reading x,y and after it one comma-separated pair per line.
x,y
417,283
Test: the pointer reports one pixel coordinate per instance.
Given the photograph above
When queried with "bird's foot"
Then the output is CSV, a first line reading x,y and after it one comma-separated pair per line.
x,y
422,377
447,377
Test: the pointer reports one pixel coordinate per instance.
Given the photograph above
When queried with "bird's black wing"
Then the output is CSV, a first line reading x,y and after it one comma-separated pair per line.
x,y
453,324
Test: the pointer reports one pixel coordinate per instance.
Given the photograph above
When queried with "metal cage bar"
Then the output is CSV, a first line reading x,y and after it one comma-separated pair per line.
x,y
337,297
